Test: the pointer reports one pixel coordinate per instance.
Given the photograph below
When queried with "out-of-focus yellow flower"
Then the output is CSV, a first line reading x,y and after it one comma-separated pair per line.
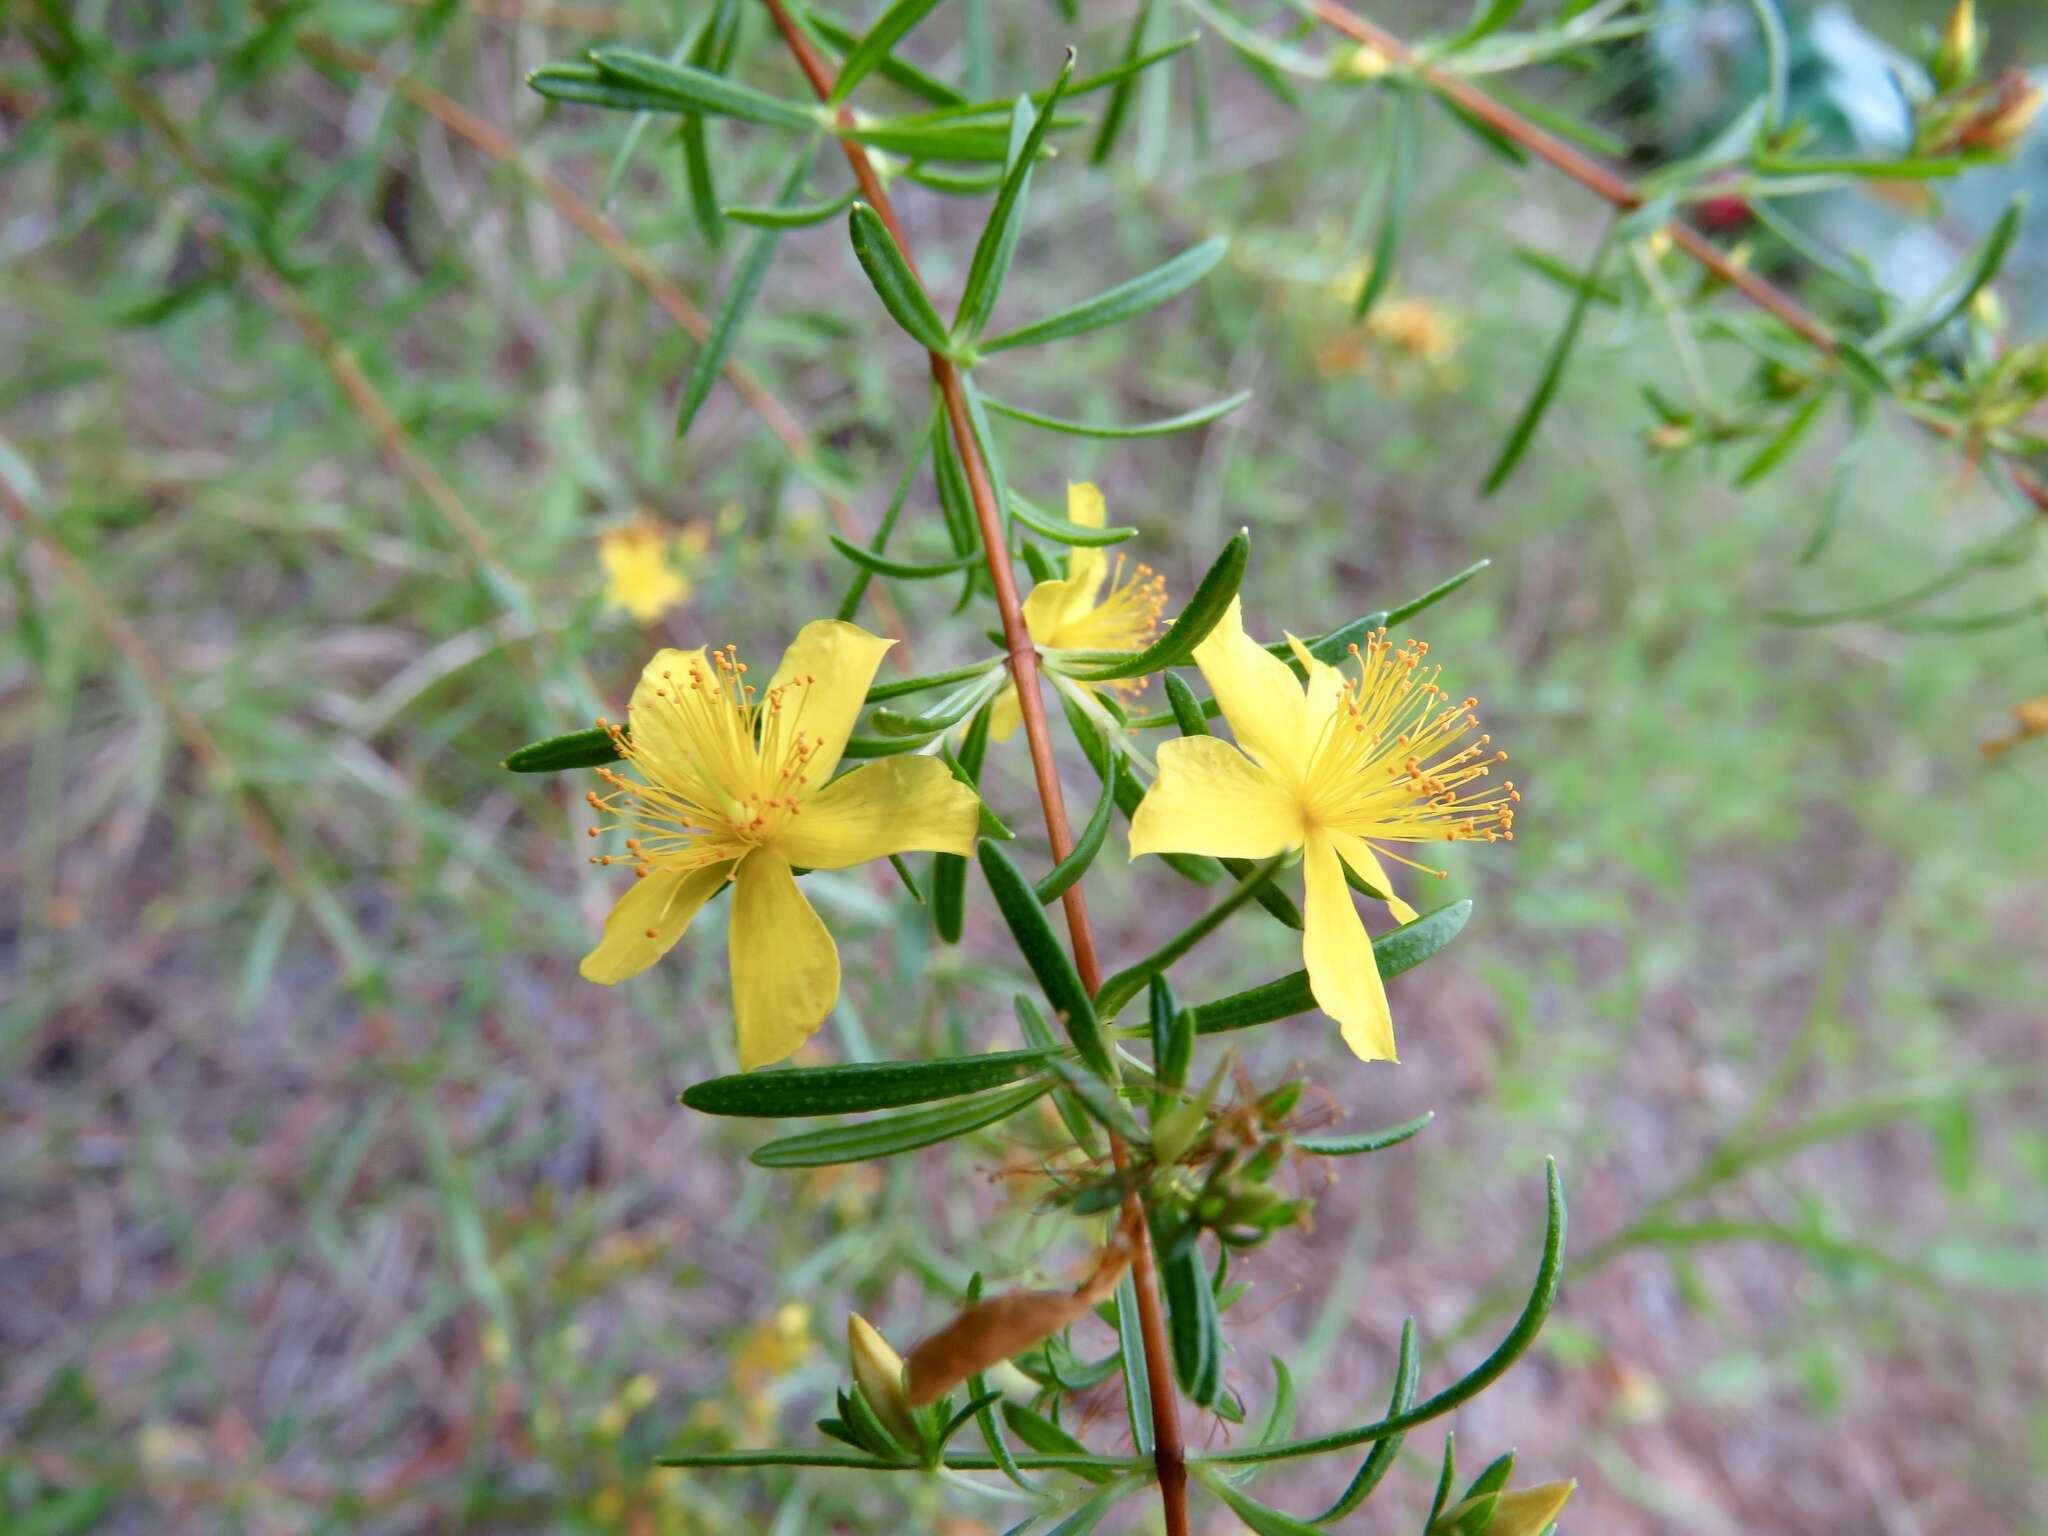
x,y
1955,58
769,1350
640,576
733,787
2030,719
1402,342
1076,614
1338,769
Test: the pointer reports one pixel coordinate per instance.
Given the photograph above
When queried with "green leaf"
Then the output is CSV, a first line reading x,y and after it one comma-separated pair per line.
x,y
930,680
1489,16
739,298
1511,1348
849,605
998,242
1127,983
1443,1481
1038,1034
1364,1141
1086,846
1205,606
1041,1434
1553,371
1200,416
1046,956
1191,1323
1101,1102
877,44
698,177
1922,320
800,217
1380,1459
1119,303
856,1086
1131,1357
1400,116
1173,1035
588,86
949,870
1120,99
896,71
1783,441
942,716
900,291
1771,27
902,570
688,89
935,141
1401,950
1058,529
1260,1519
892,1134
577,749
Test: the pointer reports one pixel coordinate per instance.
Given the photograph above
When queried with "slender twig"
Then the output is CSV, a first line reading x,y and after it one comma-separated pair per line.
x,y
1611,185
1169,1447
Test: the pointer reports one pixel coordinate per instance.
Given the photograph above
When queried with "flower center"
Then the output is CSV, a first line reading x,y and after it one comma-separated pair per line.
x,y
1389,764
720,772
1126,619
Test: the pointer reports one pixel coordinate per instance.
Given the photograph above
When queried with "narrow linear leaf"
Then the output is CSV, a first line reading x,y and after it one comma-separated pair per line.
x,y
1041,1434
1260,1519
1131,1357
1206,604
557,754
1191,1323
1401,950
1058,529
893,1134
1119,303
936,141
1511,1348
1380,1459
1200,416
1489,17
1364,1141
1553,372
1119,106
689,89
897,72
1402,131
856,1086
877,44
1086,846
1783,441
1127,983
699,180
897,286
1038,1035
1046,956
739,298
799,217
902,570
998,243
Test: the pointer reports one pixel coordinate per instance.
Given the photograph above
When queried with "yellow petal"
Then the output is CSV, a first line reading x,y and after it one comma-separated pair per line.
x,y
1259,694
1357,852
785,968
842,659
1050,609
1006,714
894,805
1210,798
1087,564
1325,689
665,902
1341,970
660,745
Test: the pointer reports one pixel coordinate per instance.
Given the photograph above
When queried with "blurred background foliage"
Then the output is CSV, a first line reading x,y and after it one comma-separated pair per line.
x,y
332,1200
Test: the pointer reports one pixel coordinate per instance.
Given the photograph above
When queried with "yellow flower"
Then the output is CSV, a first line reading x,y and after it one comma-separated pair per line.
x,y
733,786
638,575
1338,769
1075,614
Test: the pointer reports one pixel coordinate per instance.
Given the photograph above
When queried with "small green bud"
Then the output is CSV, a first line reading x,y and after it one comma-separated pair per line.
x,y
1960,50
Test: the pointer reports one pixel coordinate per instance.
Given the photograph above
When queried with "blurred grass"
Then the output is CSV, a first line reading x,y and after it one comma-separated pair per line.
x,y
370,1216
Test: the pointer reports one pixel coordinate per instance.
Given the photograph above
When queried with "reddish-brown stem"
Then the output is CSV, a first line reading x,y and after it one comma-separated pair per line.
x,y
1169,1447
1610,185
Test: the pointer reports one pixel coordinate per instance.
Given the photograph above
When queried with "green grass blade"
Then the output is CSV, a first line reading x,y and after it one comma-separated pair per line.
x,y
1553,372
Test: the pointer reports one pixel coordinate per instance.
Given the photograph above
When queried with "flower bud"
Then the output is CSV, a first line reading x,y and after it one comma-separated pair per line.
x,y
878,1372
1955,58
1521,1512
